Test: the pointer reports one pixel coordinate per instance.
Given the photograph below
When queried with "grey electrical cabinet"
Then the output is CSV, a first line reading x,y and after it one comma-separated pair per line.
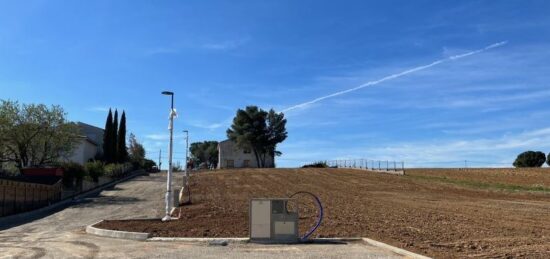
x,y
270,221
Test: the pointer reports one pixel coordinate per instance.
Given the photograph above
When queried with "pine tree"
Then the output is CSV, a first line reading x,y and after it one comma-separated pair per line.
x,y
121,144
114,138
107,138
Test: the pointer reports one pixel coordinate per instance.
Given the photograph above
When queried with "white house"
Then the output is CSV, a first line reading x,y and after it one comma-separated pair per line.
x,y
231,156
89,145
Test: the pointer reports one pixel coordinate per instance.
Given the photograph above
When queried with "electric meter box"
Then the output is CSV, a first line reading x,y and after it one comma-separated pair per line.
x,y
270,221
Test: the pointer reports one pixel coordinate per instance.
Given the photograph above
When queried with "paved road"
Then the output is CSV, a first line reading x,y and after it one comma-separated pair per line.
x,y
62,235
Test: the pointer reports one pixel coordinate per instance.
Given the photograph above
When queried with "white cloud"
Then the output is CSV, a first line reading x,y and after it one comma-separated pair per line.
x,y
98,109
394,76
211,126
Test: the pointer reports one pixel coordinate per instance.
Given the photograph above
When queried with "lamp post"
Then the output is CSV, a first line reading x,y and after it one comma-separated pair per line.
x,y
186,184
168,195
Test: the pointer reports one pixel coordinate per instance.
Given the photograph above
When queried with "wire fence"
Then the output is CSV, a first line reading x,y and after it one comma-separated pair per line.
x,y
379,165
391,165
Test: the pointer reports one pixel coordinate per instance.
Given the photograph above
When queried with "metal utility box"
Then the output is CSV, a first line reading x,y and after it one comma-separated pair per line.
x,y
270,221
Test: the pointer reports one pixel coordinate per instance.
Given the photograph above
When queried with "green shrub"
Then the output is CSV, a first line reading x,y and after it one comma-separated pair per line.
x,y
148,165
115,171
72,172
9,170
95,169
320,164
530,159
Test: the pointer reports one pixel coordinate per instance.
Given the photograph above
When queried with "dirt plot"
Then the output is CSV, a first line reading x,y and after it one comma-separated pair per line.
x,y
437,212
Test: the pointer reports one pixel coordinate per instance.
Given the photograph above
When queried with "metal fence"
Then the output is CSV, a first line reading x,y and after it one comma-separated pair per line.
x,y
377,165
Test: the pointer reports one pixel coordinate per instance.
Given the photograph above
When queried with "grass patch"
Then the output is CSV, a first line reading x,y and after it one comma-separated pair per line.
x,y
483,185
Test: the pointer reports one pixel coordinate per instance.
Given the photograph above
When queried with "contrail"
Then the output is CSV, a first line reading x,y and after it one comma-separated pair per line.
x,y
390,77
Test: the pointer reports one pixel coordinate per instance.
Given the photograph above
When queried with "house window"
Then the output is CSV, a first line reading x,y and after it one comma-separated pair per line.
x,y
229,163
247,151
246,163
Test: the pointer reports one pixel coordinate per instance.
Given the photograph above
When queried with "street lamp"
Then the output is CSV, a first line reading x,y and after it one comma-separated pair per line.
x,y
168,195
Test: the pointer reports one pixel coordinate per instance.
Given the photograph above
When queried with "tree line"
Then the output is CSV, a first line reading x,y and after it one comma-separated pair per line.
x,y
532,159
114,139
203,154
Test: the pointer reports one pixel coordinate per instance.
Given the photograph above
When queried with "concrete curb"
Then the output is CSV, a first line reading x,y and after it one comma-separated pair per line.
x,y
394,249
34,213
116,234
242,240
200,239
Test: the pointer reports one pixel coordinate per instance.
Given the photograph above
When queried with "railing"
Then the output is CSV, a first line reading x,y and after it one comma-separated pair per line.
x,y
376,165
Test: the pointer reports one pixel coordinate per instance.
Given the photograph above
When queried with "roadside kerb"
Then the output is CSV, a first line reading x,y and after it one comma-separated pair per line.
x,y
147,237
394,249
200,239
116,234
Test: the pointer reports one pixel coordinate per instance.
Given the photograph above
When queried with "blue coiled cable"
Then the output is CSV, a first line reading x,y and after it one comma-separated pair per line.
x,y
319,219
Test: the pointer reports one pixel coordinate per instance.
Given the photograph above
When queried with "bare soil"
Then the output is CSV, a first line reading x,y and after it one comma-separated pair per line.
x,y
495,213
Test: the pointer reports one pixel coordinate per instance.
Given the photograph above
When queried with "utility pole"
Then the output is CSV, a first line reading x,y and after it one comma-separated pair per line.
x,y
168,195
160,163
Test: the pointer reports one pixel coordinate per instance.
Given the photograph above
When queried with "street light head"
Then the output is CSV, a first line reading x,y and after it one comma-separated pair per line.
x,y
186,131
167,93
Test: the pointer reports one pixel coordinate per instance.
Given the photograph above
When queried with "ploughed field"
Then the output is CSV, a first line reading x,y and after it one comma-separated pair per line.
x,y
436,212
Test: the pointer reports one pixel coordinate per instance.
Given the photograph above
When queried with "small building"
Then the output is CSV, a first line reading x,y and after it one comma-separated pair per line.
x,y
89,144
231,156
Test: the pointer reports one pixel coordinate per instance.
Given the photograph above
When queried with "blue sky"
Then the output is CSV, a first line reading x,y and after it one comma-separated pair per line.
x,y
219,56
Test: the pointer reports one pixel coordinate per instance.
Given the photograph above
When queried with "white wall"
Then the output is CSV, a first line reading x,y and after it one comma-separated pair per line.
x,y
83,152
229,151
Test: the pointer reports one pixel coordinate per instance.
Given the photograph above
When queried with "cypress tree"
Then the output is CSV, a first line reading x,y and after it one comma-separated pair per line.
x,y
121,145
107,138
114,157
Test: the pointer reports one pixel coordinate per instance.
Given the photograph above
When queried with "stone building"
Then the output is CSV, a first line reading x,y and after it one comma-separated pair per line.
x,y
231,156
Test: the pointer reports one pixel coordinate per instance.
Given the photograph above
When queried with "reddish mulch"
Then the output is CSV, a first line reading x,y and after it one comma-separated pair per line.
x,y
415,212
